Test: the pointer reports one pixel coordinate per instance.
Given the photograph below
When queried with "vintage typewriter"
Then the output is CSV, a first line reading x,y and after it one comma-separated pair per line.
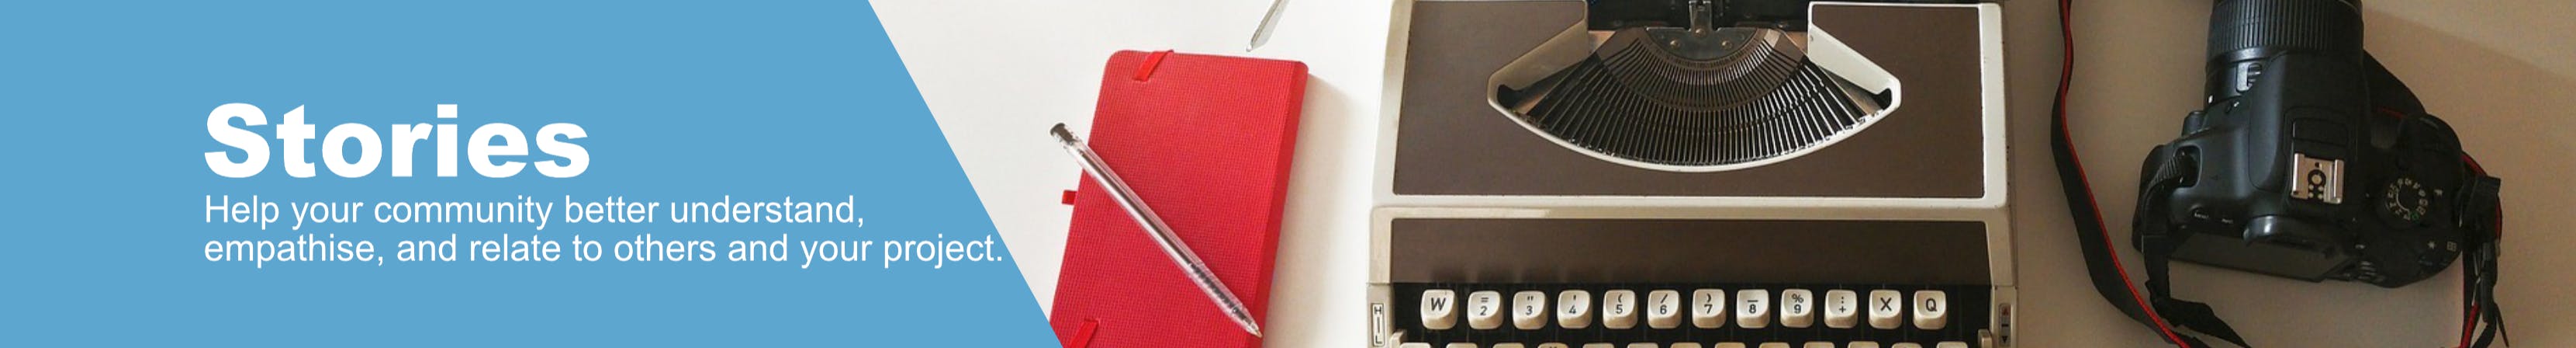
x,y
1692,174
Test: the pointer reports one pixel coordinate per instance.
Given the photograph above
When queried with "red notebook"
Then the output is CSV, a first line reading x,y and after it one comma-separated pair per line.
x,y
1205,141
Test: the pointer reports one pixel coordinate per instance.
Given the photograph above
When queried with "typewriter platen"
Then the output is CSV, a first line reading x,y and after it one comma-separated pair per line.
x,y
1692,174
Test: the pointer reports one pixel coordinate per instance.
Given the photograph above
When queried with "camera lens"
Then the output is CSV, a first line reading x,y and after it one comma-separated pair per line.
x,y
2274,26
2242,32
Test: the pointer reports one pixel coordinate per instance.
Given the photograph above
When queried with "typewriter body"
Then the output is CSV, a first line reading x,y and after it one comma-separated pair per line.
x,y
1727,177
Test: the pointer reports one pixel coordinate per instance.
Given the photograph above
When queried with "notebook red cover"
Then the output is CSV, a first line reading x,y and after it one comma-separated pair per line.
x,y
1204,140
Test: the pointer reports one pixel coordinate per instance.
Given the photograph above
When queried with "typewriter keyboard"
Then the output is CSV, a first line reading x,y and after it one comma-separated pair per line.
x,y
1689,315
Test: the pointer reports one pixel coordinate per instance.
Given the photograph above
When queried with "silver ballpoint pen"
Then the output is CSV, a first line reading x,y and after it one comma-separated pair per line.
x,y
1261,34
1172,246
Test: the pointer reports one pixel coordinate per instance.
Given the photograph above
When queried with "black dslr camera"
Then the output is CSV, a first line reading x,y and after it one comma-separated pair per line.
x,y
2311,161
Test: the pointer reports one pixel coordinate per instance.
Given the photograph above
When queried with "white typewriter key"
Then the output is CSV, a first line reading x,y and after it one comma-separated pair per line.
x,y
1599,345
1774,345
1931,309
1551,345
1619,309
1461,345
1683,345
1886,309
1508,345
1574,309
1850,345
1951,344
1664,309
1905,345
1529,310
1439,309
1798,309
1708,308
1485,310
1728,345
1842,310
1414,345
1641,345
1753,309
1819,345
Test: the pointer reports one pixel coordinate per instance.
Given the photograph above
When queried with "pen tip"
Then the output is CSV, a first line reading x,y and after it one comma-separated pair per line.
x,y
1061,133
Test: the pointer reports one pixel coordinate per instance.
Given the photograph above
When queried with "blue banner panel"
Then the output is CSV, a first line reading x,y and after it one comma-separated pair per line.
x,y
498,173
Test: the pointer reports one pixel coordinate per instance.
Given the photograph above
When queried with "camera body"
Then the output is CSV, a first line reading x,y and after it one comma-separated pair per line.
x,y
2310,160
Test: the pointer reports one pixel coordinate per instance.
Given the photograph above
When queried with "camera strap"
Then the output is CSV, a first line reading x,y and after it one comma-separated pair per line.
x,y
2155,308
2153,234
2101,260
2484,247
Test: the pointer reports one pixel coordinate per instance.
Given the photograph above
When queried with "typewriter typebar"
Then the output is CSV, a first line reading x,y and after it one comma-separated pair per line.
x,y
1544,181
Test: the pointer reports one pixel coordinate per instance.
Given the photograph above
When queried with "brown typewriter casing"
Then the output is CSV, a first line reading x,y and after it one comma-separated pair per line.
x,y
1466,195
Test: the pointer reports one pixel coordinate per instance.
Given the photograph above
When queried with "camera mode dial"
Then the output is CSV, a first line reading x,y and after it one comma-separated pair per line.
x,y
2405,202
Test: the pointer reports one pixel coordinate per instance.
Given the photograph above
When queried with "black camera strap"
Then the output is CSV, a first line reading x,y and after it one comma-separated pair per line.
x,y
2155,308
2152,232
2479,262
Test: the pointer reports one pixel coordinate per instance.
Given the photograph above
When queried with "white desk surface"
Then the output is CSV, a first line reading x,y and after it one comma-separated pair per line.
x,y
2503,72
